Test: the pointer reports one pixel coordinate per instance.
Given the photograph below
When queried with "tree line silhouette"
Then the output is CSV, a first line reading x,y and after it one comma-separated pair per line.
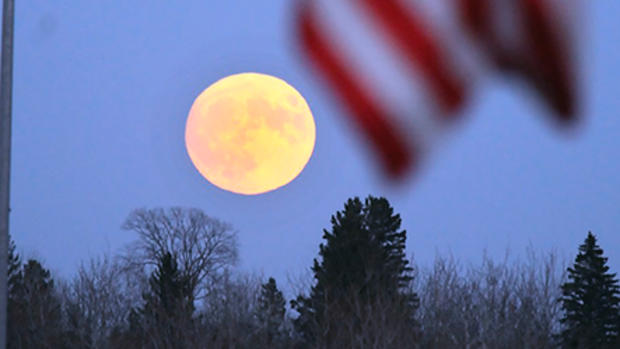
x,y
175,287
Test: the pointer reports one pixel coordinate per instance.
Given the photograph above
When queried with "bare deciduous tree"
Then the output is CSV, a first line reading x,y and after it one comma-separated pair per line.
x,y
356,319
228,313
384,321
494,305
98,300
204,246
229,317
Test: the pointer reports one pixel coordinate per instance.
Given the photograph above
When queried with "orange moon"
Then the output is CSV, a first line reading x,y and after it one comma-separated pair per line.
x,y
250,133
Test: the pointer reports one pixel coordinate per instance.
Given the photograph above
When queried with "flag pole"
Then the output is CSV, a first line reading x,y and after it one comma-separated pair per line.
x,y
6,85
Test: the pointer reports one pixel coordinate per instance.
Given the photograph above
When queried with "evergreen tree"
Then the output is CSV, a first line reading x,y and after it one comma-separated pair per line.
x,y
590,300
34,312
166,318
13,281
270,312
169,290
14,264
362,261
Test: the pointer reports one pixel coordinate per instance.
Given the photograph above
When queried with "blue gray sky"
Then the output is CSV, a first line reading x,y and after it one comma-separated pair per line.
x,y
103,88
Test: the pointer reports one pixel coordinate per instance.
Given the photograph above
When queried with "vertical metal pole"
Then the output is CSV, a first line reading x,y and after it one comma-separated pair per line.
x,y
6,86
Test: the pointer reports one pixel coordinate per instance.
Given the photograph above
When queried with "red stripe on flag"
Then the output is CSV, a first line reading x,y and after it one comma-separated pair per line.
x,y
475,15
396,155
411,35
550,68
543,60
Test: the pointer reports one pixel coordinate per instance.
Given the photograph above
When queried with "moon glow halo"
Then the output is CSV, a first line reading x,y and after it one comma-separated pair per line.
x,y
250,133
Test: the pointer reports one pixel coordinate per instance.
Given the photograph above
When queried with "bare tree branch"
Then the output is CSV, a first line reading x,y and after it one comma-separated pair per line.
x,y
204,246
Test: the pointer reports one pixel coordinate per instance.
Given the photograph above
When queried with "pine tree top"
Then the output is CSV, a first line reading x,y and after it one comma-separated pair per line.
x,y
361,264
363,236
590,299
271,303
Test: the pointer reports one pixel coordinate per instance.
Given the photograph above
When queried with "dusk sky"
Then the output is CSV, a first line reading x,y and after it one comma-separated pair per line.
x,y
102,91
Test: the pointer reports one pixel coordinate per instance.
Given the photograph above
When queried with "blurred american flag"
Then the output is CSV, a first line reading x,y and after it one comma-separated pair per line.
x,y
404,69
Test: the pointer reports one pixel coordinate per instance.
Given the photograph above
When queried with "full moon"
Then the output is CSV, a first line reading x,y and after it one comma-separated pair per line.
x,y
250,133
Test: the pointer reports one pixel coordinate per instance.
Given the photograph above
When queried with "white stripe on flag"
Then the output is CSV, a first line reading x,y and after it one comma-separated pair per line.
x,y
397,88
